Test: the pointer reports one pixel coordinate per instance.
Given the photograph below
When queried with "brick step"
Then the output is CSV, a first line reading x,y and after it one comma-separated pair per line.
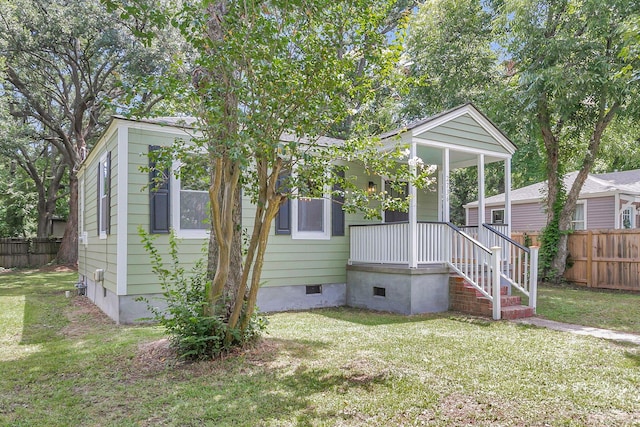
x,y
516,312
467,299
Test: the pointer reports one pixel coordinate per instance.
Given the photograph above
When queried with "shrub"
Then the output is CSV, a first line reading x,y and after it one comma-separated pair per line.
x,y
193,334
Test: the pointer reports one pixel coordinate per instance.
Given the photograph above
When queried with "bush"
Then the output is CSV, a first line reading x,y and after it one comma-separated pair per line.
x,y
193,334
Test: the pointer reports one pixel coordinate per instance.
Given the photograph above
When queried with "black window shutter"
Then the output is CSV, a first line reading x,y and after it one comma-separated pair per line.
x,y
159,199
283,217
108,191
337,214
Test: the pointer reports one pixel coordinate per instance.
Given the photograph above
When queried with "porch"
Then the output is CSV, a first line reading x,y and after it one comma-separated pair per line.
x,y
418,266
484,258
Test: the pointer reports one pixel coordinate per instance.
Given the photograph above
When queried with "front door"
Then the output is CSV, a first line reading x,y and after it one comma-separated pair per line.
x,y
396,216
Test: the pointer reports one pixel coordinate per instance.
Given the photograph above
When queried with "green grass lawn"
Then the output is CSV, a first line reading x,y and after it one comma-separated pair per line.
x,y
62,363
601,309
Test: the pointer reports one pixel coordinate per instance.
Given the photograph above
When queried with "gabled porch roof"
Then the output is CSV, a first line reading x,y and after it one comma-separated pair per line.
x,y
464,130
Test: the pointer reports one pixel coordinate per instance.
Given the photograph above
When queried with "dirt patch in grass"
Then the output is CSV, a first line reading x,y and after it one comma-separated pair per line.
x,y
155,356
84,317
58,268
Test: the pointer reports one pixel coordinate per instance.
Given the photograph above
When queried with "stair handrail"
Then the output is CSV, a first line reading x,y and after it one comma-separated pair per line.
x,y
521,266
481,270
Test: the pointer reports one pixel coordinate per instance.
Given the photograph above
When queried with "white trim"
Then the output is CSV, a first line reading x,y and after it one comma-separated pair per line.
x,y
446,217
102,234
504,221
461,148
632,217
507,195
481,191
413,210
123,205
174,199
312,235
616,212
171,129
584,204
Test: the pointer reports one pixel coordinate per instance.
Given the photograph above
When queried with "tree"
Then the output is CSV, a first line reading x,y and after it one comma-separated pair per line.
x,y
271,79
450,58
39,161
68,67
451,62
569,73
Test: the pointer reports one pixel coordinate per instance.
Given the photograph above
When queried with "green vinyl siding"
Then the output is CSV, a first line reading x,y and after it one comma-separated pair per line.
x,y
287,261
291,261
465,131
140,277
99,253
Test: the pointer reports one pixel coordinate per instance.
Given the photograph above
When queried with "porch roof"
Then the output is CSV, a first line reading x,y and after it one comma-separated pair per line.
x,y
464,130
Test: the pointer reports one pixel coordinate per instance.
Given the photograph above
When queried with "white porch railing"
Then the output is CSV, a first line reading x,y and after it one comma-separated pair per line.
x,y
379,243
437,243
520,265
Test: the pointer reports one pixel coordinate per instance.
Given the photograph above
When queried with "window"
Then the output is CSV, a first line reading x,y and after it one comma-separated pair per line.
x,y
311,215
191,213
104,195
396,191
628,217
497,216
579,220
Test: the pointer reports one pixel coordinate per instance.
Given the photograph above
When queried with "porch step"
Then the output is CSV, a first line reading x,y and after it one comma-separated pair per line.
x,y
465,298
516,312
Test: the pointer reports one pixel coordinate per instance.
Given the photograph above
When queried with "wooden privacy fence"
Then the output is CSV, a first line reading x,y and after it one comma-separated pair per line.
x,y
27,252
607,259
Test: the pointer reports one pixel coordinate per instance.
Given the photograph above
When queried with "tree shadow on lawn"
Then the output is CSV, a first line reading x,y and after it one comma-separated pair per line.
x,y
43,299
275,383
375,318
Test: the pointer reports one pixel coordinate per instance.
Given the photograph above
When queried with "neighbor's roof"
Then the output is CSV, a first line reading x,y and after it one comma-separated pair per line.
x,y
623,182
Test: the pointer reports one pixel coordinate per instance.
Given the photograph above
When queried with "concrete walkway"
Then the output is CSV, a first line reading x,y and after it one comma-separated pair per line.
x,y
581,330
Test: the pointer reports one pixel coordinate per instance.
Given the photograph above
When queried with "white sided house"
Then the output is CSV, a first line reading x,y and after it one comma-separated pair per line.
x,y
607,201
317,255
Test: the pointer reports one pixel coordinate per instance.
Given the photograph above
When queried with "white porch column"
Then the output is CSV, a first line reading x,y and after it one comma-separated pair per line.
x,y
445,186
413,209
481,215
507,196
481,210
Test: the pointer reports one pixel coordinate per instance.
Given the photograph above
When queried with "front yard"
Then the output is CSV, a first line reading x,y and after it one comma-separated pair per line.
x,y
63,363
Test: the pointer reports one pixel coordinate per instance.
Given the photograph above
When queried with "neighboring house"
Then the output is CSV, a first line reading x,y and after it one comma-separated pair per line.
x,y
608,200
317,255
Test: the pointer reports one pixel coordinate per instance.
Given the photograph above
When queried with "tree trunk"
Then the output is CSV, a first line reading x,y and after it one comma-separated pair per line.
x,y
68,252
235,273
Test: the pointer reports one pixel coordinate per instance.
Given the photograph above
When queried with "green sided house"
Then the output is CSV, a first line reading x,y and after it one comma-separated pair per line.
x,y
318,255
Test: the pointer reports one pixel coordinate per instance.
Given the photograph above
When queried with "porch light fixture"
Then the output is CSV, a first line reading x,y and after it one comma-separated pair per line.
x,y
372,187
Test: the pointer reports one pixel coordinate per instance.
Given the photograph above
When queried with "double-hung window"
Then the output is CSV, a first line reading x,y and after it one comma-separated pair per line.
x,y
579,220
311,213
191,213
104,193
628,217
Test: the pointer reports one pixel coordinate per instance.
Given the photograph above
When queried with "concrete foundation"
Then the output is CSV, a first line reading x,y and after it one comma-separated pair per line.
x,y
398,289
301,297
376,287
123,309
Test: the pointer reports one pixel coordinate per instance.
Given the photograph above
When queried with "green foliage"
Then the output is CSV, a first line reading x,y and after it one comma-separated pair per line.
x,y
450,56
550,240
193,334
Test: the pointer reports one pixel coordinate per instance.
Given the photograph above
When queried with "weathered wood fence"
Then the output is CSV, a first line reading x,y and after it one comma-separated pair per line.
x,y
27,252
607,259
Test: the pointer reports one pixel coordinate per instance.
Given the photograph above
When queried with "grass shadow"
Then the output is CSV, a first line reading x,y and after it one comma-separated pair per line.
x,y
42,295
373,318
